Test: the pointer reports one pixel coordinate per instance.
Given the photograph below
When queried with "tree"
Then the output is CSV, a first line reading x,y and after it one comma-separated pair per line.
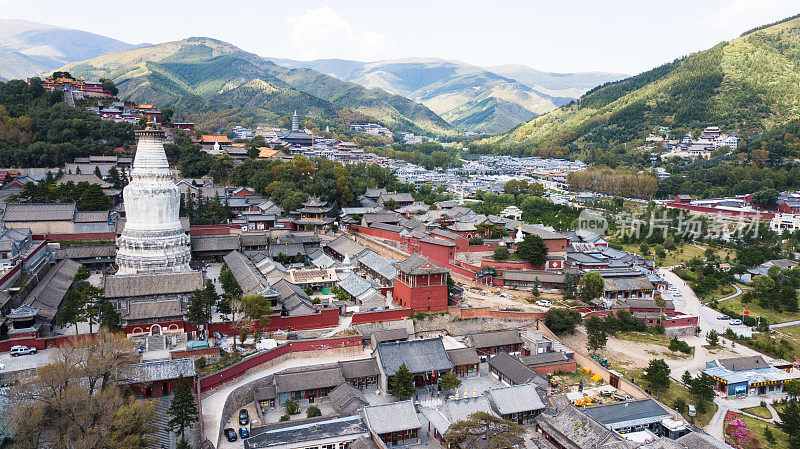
x,y
82,274
712,338
595,330
476,241
657,374
596,339
790,423
449,382
484,430
76,400
199,310
257,308
391,204
591,286
533,249
501,253
792,388
561,320
71,312
313,411
109,317
182,409
109,86
292,407
401,385
679,404
768,435
702,389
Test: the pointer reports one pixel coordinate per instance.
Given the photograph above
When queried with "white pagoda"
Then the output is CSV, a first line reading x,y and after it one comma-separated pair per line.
x,y
153,240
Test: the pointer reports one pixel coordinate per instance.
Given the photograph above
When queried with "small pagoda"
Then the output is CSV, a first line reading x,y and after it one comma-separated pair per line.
x,y
314,213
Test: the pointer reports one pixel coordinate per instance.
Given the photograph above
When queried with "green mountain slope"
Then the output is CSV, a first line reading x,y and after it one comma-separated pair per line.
x,y
28,48
467,96
209,76
746,85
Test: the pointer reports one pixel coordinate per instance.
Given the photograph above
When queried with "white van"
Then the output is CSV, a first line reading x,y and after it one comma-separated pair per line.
x,y
692,410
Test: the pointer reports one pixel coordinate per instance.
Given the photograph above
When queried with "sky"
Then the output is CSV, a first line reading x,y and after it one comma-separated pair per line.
x,y
553,35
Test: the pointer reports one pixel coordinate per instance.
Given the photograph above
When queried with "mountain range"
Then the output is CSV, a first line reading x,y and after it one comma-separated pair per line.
x,y
28,48
744,86
201,75
484,100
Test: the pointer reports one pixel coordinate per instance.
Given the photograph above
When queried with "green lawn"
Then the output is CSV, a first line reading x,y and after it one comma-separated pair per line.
x,y
681,254
759,411
757,427
755,310
791,331
720,292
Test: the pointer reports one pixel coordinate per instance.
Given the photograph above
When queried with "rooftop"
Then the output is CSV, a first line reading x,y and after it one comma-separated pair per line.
x,y
392,417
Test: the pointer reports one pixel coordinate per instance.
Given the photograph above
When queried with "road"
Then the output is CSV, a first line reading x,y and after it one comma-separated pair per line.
x,y
24,362
707,317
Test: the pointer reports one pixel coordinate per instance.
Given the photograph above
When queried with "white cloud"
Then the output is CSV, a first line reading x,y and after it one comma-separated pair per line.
x,y
323,33
742,15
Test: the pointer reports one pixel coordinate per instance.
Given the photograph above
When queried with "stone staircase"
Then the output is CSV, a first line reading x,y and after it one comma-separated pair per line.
x,y
155,343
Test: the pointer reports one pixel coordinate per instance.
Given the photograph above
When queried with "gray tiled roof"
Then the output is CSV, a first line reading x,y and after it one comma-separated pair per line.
x,y
744,363
515,399
617,284
307,380
378,264
215,243
417,264
100,216
419,356
152,284
621,412
50,291
164,369
398,333
353,369
86,252
702,440
343,245
495,338
437,241
531,276
512,368
140,310
39,212
463,356
345,398
249,278
355,285
547,358
393,417
446,234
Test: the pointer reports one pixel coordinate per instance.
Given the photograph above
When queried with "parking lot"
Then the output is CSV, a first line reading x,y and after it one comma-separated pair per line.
x,y
23,362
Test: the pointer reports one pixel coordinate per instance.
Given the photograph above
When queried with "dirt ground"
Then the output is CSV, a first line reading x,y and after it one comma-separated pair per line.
x,y
621,353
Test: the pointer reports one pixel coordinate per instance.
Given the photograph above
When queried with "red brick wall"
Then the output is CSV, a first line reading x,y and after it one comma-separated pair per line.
x,y
199,352
326,318
437,253
711,210
383,315
514,265
416,298
84,236
238,369
389,235
486,312
566,367
556,245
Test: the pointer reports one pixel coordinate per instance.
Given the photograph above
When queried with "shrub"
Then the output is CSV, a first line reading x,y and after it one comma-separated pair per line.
x,y
285,418
476,241
679,405
676,345
201,362
313,411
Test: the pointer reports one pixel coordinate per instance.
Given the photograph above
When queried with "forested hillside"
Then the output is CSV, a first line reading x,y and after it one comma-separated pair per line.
x,y
747,86
37,129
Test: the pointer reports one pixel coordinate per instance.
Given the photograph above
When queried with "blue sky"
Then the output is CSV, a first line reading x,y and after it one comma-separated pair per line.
x,y
554,35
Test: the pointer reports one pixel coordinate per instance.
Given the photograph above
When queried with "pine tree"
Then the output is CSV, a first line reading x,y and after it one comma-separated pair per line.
x,y
402,385
182,410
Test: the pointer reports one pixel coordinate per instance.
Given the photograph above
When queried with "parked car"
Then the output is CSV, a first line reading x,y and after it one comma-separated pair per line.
x,y
723,317
244,417
543,303
692,410
22,350
736,322
230,434
244,433
2,367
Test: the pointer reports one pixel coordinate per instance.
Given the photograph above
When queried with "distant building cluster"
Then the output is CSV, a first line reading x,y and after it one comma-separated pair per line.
x,y
688,147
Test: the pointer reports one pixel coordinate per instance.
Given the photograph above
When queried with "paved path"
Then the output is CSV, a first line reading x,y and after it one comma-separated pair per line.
x,y
733,295
786,324
344,324
214,402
